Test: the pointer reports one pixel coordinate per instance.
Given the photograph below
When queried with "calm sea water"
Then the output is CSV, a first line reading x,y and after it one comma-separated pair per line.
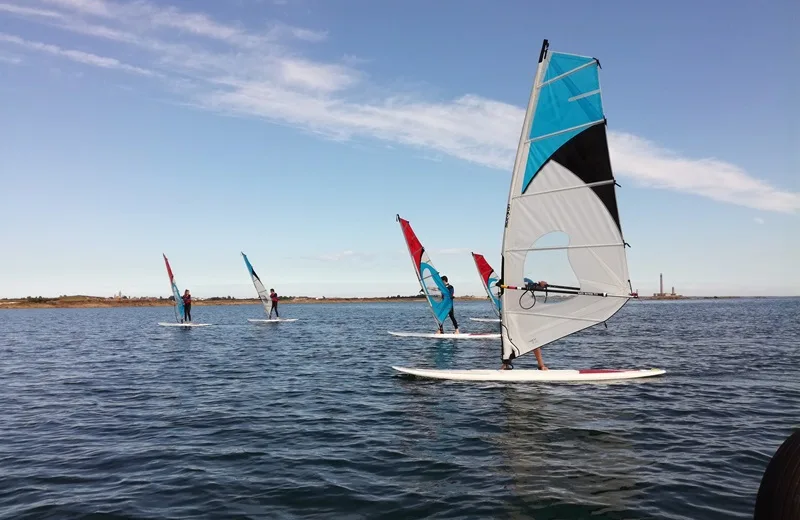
x,y
104,414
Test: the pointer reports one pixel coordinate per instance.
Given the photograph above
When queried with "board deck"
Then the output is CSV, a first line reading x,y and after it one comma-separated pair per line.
x,y
264,320
446,335
185,325
533,375
488,320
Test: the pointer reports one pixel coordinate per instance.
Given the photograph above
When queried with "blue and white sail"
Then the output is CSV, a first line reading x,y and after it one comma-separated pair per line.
x,y
263,295
489,280
562,182
430,281
175,292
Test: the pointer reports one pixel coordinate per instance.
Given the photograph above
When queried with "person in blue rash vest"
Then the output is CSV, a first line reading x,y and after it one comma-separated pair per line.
x,y
451,313
187,306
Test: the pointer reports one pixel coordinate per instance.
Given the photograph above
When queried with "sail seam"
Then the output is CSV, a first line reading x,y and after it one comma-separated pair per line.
x,y
556,190
573,71
585,95
575,318
553,134
559,248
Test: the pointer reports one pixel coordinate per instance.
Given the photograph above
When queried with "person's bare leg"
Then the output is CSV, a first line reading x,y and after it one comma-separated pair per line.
x,y
539,359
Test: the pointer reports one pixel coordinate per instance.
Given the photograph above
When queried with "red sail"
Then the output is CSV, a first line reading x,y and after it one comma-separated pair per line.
x,y
169,270
413,243
484,269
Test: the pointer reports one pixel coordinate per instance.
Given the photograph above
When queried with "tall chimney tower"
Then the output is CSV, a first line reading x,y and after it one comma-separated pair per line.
x,y
661,284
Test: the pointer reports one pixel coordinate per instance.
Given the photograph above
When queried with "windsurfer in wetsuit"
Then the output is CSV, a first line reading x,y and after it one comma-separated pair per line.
x,y
531,286
187,306
273,296
451,313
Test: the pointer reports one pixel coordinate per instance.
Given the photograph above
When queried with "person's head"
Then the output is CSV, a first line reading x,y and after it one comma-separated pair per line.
x,y
186,291
272,290
444,279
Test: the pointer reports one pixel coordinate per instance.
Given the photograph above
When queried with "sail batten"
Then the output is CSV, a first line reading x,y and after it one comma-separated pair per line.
x,y
562,150
435,290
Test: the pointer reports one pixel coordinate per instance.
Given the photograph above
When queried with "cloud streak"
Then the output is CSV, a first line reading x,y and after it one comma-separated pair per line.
x,y
77,56
226,67
347,255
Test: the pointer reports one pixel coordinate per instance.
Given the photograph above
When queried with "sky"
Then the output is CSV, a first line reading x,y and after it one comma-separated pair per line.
x,y
295,131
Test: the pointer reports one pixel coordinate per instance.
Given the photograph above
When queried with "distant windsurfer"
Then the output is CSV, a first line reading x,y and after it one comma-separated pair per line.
x,y
273,296
541,285
187,306
452,315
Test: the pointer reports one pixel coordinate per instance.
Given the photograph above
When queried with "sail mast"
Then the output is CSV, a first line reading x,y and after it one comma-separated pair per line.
x,y
562,182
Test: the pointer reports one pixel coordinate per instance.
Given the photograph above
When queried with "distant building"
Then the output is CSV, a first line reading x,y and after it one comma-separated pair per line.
x,y
661,293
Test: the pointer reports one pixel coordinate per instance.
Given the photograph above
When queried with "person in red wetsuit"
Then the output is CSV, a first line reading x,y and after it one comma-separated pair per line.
x,y
273,296
187,306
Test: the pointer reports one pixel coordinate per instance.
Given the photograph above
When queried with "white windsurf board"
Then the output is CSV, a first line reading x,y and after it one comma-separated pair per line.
x,y
488,320
169,324
446,335
277,320
533,375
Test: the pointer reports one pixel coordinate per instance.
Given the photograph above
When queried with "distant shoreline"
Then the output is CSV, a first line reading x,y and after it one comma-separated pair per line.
x,y
99,302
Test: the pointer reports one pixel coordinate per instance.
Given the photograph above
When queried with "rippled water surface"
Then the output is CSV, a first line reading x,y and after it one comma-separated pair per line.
x,y
103,412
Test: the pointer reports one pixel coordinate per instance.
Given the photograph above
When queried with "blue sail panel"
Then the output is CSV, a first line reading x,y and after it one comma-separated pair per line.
x,y
438,296
561,63
249,265
178,300
569,101
492,283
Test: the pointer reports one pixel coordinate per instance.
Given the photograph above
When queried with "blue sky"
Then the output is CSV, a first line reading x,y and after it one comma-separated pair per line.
x,y
295,130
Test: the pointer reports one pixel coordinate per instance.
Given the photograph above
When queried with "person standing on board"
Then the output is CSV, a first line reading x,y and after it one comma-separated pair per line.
x,y
274,297
187,306
530,286
537,352
451,313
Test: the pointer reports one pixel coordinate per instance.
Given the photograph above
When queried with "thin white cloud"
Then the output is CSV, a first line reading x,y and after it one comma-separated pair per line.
x,y
451,251
93,7
335,257
758,220
308,34
13,60
651,165
27,11
77,56
255,74
314,76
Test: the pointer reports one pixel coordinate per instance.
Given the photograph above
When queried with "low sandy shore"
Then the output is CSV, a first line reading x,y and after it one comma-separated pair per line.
x,y
90,302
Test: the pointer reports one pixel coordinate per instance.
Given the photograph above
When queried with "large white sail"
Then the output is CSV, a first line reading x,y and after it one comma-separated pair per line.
x,y
562,182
